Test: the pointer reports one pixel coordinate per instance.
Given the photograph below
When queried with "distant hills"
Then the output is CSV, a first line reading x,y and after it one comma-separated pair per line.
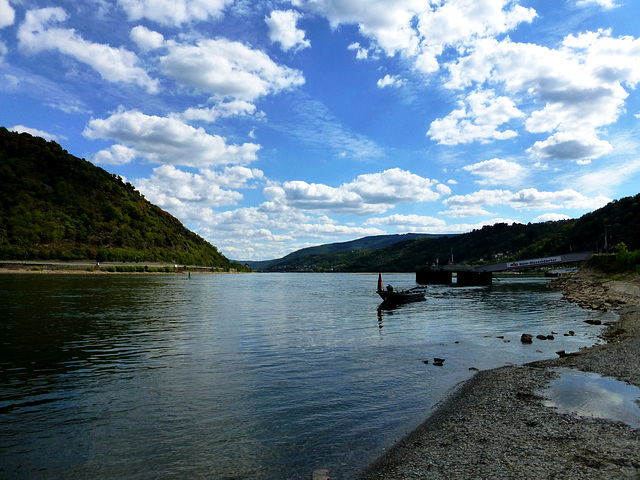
x,y
496,243
54,206
304,256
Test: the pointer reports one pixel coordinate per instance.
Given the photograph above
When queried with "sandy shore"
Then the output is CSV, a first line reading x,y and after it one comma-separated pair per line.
x,y
495,426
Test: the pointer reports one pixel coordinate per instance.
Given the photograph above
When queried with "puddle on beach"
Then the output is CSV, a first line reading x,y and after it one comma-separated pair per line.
x,y
591,395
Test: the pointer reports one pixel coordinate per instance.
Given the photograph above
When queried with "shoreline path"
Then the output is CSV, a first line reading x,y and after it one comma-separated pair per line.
x,y
495,425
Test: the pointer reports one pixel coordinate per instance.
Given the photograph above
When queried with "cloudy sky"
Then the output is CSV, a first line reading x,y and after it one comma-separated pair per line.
x,y
269,126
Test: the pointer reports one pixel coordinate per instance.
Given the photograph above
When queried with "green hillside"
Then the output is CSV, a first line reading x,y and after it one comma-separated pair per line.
x,y
365,243
500,242
54,206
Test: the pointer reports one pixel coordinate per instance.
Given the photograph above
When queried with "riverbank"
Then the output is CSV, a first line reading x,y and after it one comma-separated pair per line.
x,y
89,268
495,426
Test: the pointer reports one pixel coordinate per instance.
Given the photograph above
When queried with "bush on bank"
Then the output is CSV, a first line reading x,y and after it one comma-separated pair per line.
x,y
622,261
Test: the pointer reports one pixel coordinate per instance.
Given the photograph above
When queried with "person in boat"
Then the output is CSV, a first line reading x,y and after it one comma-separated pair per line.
x,y
389,288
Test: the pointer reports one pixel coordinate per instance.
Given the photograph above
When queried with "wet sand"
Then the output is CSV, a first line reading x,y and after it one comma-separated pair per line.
x,y
495,426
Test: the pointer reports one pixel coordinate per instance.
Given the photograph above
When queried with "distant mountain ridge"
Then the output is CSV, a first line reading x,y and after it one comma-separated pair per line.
x,y
54,206
364,243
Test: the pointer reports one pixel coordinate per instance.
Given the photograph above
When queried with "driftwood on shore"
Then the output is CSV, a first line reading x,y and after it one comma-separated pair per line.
x,y
495,426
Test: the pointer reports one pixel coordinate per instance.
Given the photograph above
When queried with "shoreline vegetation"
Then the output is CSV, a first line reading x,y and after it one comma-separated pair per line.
x,y
495,425
89,267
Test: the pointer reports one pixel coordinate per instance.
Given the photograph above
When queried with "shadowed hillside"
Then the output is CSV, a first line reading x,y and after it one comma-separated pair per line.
x,y
54,206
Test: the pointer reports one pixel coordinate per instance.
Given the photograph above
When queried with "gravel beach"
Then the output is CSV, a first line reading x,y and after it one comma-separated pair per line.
x,y
495,426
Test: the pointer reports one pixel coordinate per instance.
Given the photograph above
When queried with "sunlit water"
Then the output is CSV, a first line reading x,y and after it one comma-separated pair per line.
x,y
260,376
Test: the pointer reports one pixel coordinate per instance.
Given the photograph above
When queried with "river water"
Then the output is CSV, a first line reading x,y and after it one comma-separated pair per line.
x,y
253,376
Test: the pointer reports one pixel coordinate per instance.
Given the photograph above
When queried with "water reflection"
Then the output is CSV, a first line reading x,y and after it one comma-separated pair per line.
x,y
263,376
591,395
388,310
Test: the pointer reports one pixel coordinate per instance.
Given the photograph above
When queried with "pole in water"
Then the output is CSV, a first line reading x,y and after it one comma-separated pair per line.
x,y
189,275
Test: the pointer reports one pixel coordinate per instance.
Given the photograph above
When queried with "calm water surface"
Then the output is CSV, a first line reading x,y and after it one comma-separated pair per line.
x,y
262,376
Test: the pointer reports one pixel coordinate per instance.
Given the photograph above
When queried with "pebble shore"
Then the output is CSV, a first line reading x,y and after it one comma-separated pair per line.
x,y
495,426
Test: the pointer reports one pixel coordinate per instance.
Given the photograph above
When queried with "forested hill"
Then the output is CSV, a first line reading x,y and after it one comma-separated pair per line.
x,y
54,206
496,243
366,243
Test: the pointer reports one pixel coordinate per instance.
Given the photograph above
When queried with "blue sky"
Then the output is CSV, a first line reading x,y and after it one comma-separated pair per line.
x,y
270,126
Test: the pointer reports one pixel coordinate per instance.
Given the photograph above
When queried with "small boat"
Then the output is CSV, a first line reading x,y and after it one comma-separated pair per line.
x,y
391,296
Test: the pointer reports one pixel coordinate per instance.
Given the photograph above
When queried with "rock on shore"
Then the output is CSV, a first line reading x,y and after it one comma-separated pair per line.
x,y
495,425
589,291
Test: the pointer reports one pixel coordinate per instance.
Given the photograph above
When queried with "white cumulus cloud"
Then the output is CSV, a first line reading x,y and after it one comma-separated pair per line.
x,y
478,119
421,30
466,211
173,12
234,108
169,140
37,34
606,4
366,194
115,155
405,221
146,39
551,217
283,30
34,131
528,199
390,81
226,69
169,185
579,87
571,146
7,14
497,171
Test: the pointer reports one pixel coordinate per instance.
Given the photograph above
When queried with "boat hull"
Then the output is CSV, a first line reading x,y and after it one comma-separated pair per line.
x,y
400,297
